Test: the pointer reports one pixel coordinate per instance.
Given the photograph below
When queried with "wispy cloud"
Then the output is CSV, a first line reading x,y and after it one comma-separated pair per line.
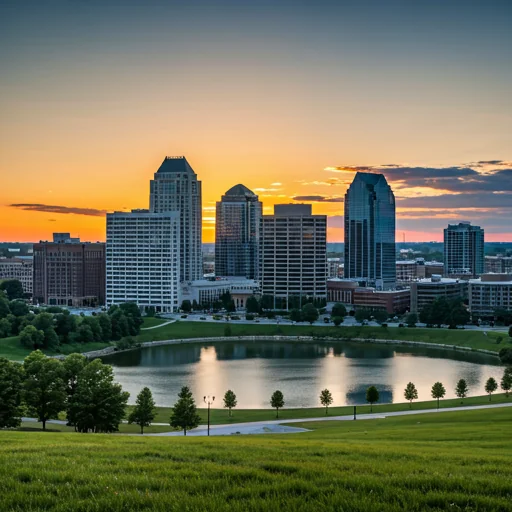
x,y
37,207
263,189
320,199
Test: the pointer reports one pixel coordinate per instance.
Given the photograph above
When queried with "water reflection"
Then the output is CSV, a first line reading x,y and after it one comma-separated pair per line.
x,y
300,370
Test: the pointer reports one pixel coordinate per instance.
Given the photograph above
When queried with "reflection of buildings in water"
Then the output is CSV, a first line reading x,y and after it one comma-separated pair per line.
x,y
356,395
169,355
364,351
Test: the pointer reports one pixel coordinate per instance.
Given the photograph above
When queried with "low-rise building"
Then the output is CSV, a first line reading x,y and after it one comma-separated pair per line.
x,y
488,293
334,266
425,291
341,290
412,270
20,268
498,265
392,301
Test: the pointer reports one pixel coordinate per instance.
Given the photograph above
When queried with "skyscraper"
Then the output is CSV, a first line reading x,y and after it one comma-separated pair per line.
x,y
370,231
237,223
175,188
463,250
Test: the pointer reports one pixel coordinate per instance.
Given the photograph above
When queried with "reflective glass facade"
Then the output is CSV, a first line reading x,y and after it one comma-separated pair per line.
x,y
370,231
237,223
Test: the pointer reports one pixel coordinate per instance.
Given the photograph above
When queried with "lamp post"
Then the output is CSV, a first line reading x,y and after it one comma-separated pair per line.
x,y
209,400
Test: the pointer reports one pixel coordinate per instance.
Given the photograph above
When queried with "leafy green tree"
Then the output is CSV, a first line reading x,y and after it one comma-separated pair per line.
x,y
44,389
4,305
438,391
296,315
491,386
461,389
339,310
252,305
458,313
337,320
94,324
119,324
45,322
362,314
505,355
106,326
18,307
133,316
184,413
32,338
412,319
5,328
65,326
267,302
506,380
84,333
11,380
226,298
151,311
231,306
380,315
277,401
372,396
326,399
186,306
99,403
13,288
309,313
410,393
229,401
144,411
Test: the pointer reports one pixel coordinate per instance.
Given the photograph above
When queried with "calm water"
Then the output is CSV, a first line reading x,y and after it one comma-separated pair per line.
x,y
254,370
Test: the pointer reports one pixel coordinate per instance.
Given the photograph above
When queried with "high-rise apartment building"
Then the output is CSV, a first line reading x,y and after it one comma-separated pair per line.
x,y
237,223
143,260
175,188
370,231
293,254
69,273
463,250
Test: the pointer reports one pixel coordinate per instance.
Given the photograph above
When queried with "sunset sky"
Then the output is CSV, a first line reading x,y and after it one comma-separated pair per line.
x,y
288,97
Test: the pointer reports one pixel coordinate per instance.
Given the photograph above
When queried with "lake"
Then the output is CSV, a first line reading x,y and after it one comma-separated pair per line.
x,y
254,370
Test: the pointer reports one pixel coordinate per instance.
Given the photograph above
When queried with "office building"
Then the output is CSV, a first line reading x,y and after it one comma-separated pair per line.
x,y
20,268
498,265
370,231
69,273
425,291
489,293
238,216
293,254
143,260
463,250
411,270
175,188
334,267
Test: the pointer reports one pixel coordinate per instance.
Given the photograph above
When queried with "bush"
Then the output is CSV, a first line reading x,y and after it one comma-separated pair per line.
x,y
249,316
506,355
126,343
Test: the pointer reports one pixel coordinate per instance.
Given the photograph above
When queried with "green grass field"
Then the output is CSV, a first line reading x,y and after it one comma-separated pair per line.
x,y
448,461
465,338
152,322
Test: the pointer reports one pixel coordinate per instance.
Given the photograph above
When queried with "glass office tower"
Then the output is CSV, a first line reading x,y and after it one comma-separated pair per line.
x,y
370,231
237,222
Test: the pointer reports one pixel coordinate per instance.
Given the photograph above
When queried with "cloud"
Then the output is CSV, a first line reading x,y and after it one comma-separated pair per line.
x,y
262,189
319,199
36,207
52,220
481,200
277,184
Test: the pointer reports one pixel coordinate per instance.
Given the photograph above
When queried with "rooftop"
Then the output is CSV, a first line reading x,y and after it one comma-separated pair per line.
x,y
175,164
239,190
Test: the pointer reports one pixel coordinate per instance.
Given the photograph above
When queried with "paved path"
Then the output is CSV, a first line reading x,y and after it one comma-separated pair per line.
x,y
157,326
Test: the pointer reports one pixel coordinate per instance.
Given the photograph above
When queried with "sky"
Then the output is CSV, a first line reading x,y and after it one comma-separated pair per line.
x,y
290,98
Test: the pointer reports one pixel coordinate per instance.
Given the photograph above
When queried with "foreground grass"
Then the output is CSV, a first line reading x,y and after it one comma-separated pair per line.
x,y
152,322
449,461
461,337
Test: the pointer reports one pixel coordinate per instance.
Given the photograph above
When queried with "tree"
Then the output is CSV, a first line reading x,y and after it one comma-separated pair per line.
x,y
326,399
186,306
65,326
506,380
252,305
461,389
510,332
505,355
44,389
94,324
11,380
458,313
184,413
106,326
144,411
309,313
225,298
13,288
362,314
84,333
4,305
491,386
5,328
267,302
410,393
277,401
411,320
337,320
229,401
438,392
338,310
99,403
372,396
31,338
18,307
296,315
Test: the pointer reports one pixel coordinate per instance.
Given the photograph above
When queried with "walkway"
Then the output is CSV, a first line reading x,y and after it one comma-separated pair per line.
x,y
157,326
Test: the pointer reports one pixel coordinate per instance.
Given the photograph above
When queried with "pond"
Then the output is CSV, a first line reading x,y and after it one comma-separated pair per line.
x,y
254,370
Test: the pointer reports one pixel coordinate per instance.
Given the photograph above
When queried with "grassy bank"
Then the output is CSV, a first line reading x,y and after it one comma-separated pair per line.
x,y
152,322
465,338
449,461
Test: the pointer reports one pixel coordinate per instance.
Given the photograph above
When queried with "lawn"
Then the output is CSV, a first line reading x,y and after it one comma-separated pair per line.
x,y
465,338
449,461
152,322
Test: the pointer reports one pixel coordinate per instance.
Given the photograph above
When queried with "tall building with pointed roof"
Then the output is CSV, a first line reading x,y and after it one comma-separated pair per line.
x,y
238,215
175,188
370,231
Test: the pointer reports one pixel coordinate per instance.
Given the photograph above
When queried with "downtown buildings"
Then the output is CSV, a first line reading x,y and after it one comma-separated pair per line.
x,y
20,268
463,250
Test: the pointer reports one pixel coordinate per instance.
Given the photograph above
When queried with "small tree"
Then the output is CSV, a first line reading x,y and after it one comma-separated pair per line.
x,y
32,338
337,320
438,392
296,315
506,380
144,411
361,315
309,313
410,393
491,386
13,288
184,413
252,305
412,319
11,379
461,389
338,310
186,306
372,396
229,401
326,399
277,401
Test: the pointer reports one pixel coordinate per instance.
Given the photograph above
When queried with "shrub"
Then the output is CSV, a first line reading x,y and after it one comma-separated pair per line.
x,y
249,316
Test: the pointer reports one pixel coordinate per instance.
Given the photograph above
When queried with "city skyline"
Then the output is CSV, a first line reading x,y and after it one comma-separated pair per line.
x,y
290,99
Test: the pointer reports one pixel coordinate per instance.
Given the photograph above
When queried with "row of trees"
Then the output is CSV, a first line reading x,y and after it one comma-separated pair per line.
x,y
443,311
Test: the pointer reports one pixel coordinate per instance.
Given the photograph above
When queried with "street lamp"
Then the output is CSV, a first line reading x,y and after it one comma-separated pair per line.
x,y
209,400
